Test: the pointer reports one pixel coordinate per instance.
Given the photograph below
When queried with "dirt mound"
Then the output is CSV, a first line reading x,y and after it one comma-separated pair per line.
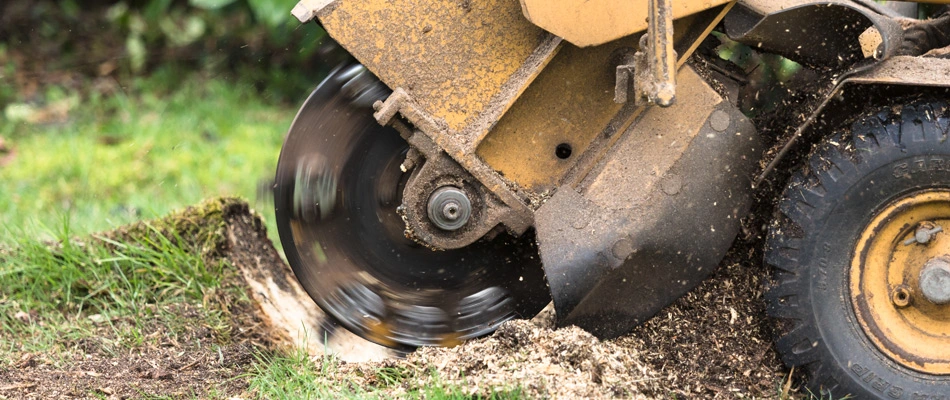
x,y
145,355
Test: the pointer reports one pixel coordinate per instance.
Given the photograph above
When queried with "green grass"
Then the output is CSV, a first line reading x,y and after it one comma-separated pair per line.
x,y
52,295
137,152
158,145
296,376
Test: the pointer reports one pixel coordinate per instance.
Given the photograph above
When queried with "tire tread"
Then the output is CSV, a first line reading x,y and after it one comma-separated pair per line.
x,y
832,166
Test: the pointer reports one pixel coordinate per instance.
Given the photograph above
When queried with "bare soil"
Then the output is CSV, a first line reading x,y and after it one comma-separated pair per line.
x,y
181,367
714,342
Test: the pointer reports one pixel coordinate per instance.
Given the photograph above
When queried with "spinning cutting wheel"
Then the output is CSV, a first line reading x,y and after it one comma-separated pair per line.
x,y
338,186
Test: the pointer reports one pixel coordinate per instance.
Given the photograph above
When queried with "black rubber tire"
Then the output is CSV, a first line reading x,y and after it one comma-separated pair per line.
x,y
884,156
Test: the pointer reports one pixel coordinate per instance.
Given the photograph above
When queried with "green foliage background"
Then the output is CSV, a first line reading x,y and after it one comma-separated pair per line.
x,y
117,110
52,41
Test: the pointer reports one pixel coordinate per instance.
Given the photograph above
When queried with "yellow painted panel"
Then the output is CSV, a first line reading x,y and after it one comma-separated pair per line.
x,y
569,103
593,22
452,57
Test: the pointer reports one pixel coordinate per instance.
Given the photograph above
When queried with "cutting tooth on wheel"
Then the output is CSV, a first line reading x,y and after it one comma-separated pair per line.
x,y
337,189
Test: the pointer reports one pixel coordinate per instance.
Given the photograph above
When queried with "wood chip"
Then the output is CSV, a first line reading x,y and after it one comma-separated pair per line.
x,y
18,386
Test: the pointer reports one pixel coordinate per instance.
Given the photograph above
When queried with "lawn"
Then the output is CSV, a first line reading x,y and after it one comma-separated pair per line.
x,y
102,159
79,163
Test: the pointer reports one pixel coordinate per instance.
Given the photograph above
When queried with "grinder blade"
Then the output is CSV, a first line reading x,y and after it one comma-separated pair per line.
x,y
337,188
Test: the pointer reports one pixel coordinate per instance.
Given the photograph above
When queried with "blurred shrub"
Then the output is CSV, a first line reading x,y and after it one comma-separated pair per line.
x,y
257,40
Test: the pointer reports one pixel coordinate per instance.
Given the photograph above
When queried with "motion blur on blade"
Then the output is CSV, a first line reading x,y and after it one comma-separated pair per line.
x,y
339,185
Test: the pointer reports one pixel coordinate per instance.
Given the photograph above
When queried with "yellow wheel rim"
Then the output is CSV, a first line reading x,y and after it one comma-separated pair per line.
x,y
892,307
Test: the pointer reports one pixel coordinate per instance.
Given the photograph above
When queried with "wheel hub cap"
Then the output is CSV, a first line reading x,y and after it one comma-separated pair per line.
x,y
900,279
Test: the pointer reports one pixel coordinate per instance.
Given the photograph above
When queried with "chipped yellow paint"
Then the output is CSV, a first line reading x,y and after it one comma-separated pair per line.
x,y
451,57
593,22
884,276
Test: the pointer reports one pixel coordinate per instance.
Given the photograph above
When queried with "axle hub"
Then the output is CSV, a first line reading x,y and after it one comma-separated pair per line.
x,y
935,281
449,208
900,281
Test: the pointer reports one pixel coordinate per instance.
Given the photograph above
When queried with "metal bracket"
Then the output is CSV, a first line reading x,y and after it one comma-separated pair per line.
x,y
445,164
306,10
653,67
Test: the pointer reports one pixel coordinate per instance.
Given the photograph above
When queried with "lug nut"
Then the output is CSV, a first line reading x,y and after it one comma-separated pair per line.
x,y
901,296
935,280
449,208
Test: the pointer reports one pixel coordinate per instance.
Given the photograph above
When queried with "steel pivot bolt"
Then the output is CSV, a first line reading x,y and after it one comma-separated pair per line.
x,y
925,232
935,280
449,208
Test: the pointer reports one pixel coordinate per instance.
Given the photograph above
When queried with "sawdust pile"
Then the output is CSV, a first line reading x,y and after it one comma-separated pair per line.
x,y
714,343
522,358
563,363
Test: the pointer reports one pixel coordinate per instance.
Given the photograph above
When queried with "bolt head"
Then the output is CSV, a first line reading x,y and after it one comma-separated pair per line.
x,y
449,208
922,236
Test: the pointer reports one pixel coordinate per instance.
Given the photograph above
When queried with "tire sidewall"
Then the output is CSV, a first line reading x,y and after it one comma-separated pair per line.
x,y
849,204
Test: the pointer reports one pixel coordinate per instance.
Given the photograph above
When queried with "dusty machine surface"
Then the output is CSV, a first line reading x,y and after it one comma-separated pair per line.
x,y
475,161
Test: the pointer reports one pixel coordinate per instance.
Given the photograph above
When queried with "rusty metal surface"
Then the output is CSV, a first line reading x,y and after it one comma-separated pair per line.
x,y
455,68
655,72
654,217
440,171
885,281
594,22
659,140
404,58
694,33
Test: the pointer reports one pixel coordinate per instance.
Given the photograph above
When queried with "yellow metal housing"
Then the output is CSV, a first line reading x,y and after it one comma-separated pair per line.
x,y
462,63
593,22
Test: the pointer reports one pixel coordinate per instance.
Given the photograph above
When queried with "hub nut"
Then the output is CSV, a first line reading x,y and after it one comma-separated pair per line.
x,y
935,280
449,208
901,296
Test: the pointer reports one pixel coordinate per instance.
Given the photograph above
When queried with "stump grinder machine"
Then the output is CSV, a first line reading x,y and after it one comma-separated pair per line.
x,y
475,160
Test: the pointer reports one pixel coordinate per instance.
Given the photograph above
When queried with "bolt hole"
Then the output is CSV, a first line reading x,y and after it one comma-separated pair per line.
x,y
901,296
563,151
